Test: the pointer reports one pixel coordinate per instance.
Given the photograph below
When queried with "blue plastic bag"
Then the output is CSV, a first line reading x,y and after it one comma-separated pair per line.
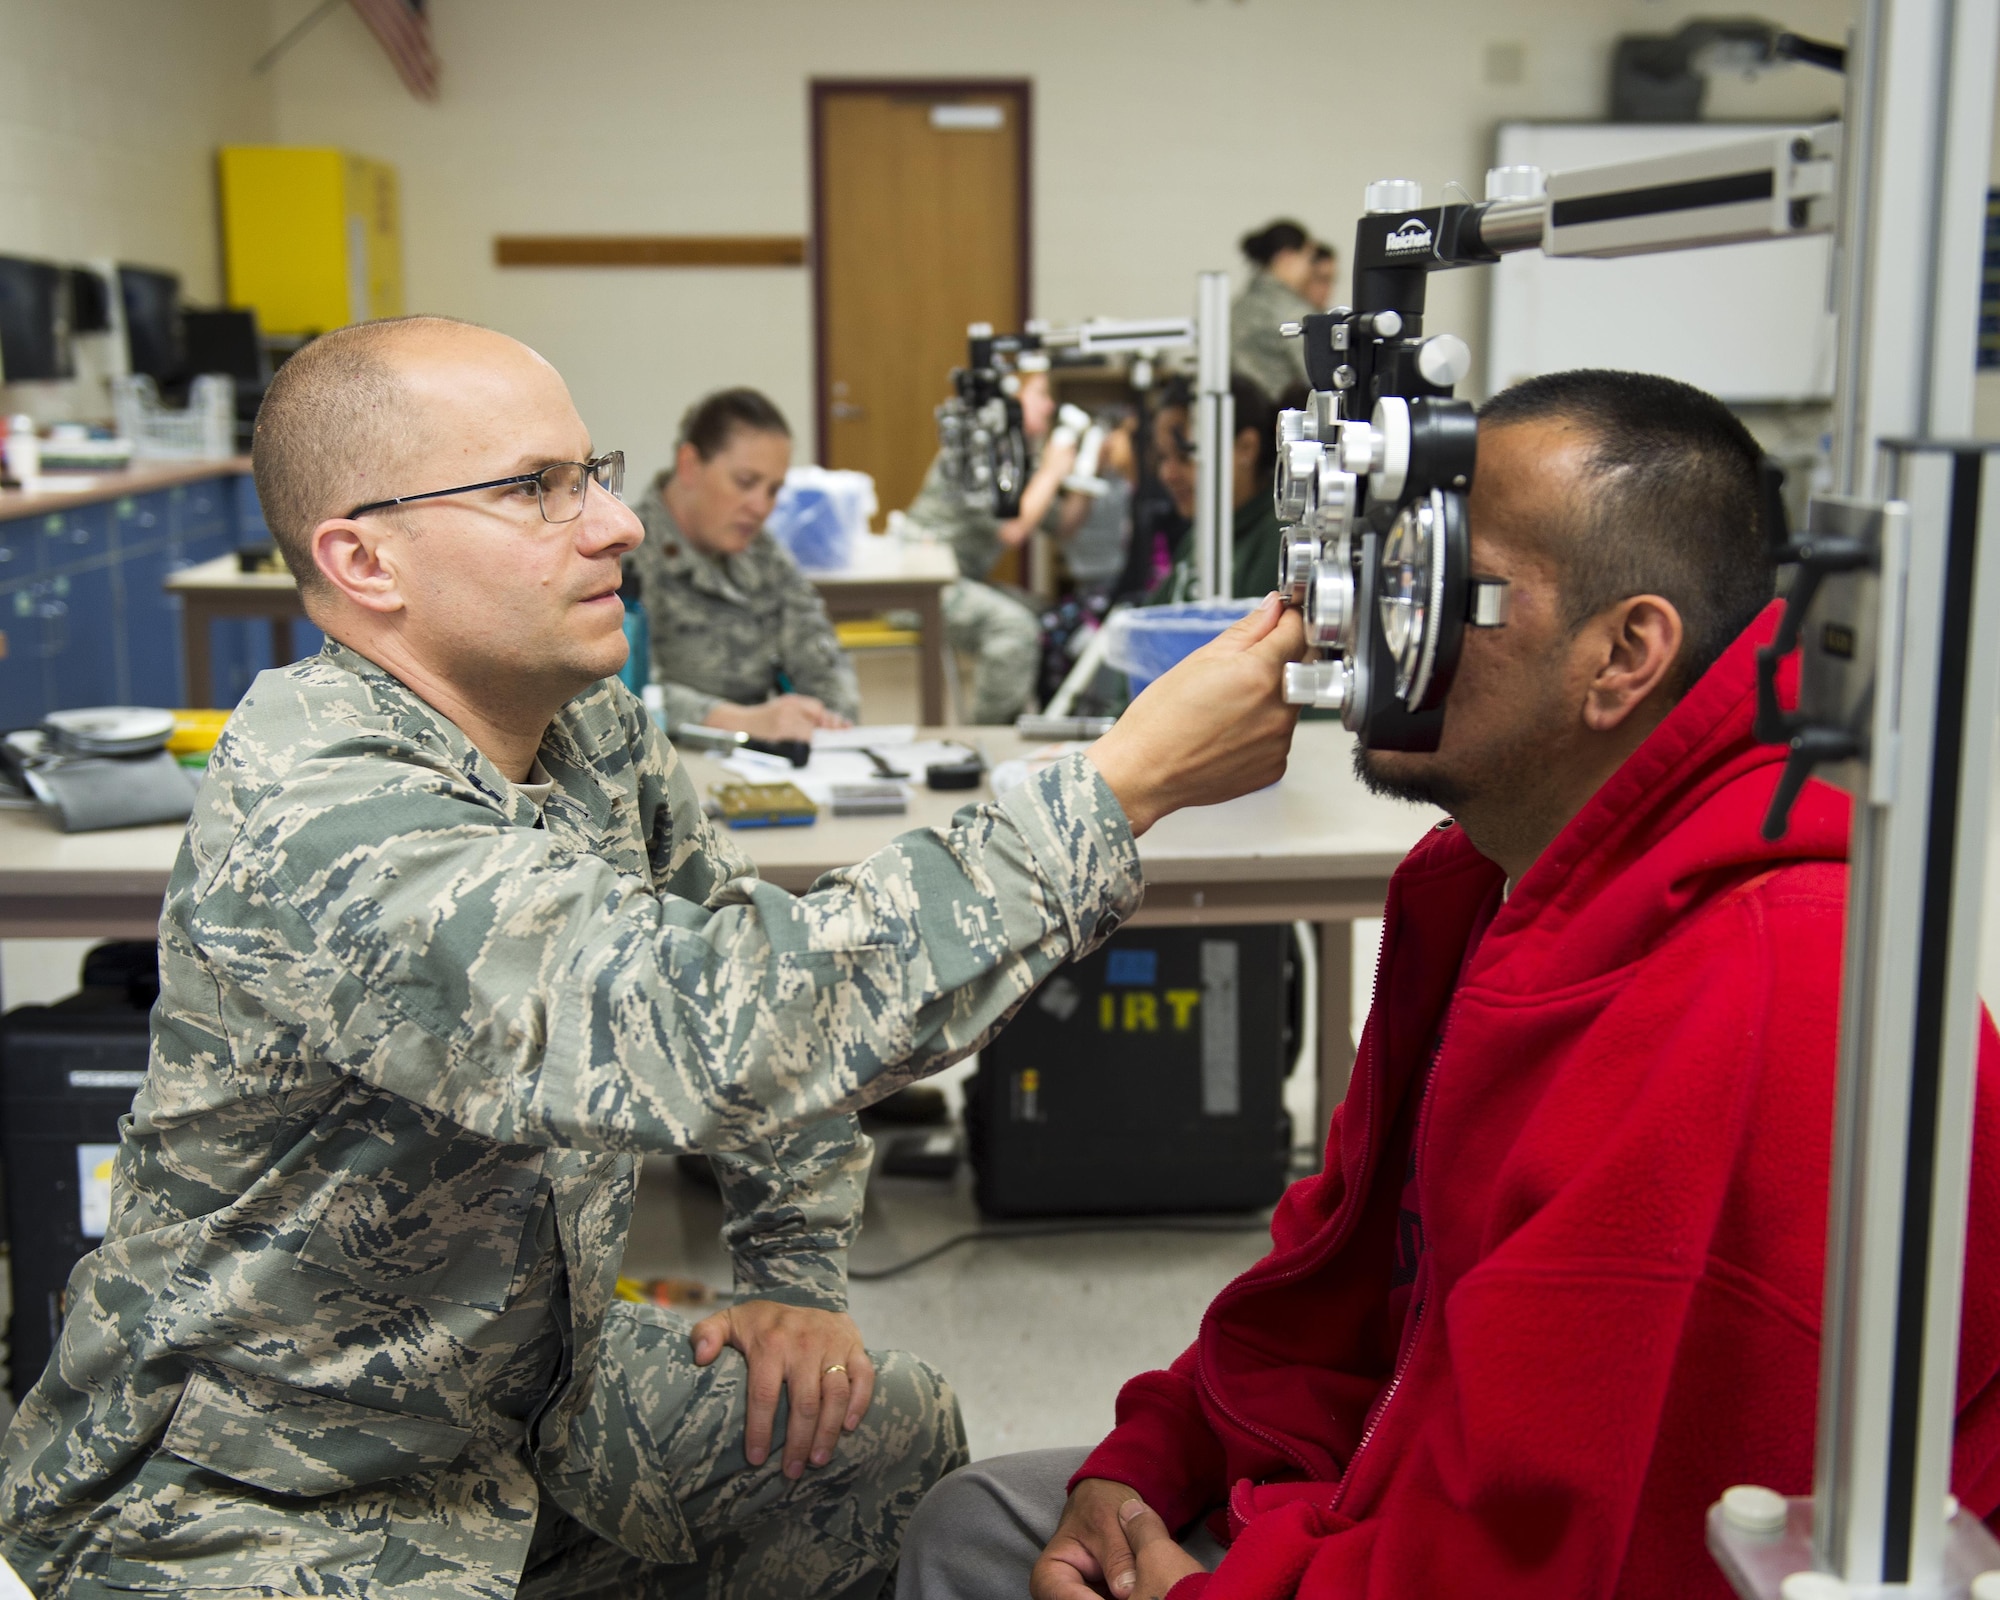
x,y
819,515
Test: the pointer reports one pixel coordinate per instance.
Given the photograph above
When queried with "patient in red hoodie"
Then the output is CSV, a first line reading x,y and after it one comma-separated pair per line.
x,y
1559,1283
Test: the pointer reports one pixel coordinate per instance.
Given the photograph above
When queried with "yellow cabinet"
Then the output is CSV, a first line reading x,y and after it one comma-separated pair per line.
x,y
310,238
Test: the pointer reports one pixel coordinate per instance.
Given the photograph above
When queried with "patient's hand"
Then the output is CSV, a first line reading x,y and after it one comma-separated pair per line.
x,y
1162,1562
1089,1555
814,1356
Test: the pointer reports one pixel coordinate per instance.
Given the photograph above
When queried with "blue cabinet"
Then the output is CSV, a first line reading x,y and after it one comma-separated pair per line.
x,y
83,649
84,619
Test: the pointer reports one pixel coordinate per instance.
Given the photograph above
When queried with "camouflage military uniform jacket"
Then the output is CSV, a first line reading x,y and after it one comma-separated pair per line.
x,y
370,1204
1256,348
728,627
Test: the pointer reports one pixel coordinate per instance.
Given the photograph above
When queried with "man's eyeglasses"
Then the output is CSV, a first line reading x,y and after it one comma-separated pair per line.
x,y
559,488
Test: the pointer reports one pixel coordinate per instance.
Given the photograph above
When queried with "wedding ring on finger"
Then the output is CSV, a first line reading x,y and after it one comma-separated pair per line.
x,y
830,1371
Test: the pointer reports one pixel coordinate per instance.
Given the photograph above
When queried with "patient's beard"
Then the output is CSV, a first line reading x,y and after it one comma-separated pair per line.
x,y
1423,786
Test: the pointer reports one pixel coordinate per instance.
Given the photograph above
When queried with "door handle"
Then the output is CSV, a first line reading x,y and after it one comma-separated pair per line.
x,y
844,411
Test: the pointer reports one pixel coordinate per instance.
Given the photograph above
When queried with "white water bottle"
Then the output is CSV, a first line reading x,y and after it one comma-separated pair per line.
x,y
23,451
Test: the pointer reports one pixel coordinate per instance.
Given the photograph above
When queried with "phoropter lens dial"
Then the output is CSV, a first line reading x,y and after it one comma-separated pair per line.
x,y
1330,606
1296,559
1336,499
1329,685
1297,475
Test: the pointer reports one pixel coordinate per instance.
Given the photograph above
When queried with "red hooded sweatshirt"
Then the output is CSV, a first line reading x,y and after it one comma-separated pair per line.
x,y
1609,1123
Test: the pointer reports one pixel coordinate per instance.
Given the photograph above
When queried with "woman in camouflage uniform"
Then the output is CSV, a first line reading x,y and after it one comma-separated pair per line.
x,y
1282,253
741,638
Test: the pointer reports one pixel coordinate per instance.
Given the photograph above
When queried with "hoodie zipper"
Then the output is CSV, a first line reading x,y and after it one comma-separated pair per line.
x,y
1342,1225
1423,1303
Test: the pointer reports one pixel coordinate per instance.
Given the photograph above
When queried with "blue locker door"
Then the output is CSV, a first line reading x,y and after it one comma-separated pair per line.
x,y
250,528
80,625
82,635
204,516
152,635
306,639
22,699
153,627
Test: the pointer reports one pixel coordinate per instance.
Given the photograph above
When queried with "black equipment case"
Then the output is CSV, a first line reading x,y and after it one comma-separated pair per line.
x,y
1147,1078
67,1076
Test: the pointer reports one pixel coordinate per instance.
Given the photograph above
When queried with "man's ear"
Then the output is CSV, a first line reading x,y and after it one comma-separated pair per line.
x,y
686,459
350,558
1640,642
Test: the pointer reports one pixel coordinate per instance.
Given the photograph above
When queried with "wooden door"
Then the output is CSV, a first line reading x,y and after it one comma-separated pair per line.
x,y
920,226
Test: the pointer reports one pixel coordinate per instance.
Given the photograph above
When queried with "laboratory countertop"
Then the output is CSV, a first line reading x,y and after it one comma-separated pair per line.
x,y
1316,822
1316,835
65,491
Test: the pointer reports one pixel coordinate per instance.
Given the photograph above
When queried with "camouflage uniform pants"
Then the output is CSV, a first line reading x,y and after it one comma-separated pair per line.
x,y
1004,638
831,1534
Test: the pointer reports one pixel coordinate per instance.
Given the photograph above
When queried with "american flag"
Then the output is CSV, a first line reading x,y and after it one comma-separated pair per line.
x,y
405,32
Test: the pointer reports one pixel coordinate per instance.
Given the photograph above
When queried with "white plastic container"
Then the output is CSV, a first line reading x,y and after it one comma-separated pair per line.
x,y
23,451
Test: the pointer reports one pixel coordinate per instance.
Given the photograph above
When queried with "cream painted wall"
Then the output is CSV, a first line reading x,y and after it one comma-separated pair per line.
x,y
110,114
1163,130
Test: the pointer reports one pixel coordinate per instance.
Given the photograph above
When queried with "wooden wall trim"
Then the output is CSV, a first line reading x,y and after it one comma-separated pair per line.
x,y
649,250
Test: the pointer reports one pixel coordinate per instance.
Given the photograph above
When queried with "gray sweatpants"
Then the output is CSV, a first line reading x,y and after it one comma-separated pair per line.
x,y
978,1533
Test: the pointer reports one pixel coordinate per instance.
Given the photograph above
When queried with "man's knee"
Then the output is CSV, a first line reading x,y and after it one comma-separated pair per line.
x,y
912,1428
1014,633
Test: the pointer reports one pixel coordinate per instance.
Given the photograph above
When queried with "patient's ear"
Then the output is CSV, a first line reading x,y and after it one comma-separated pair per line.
x,y
1637,642
354,560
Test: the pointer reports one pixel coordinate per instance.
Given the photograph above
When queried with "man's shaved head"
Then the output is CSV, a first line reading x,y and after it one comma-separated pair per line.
x,y
338,426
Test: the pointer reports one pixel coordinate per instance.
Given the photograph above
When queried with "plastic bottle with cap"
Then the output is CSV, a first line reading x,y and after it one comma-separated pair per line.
x,y
23,451
638,669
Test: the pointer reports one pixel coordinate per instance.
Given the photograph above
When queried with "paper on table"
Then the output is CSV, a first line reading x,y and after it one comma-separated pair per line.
x,y
879,734
830,766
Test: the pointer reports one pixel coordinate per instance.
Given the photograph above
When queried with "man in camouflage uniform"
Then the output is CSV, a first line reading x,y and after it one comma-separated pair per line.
x,y
998,629
450,945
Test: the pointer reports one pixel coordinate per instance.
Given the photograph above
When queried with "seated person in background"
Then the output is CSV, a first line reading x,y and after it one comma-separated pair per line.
x,y
740,636
1321,279
1000,630
1281,254
1254,566
1095,552
1559,1284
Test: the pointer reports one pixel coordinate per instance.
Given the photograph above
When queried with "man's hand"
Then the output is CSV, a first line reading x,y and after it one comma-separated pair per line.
x,y
814,1356
1214,727
1090,1554
1162,1562
785,716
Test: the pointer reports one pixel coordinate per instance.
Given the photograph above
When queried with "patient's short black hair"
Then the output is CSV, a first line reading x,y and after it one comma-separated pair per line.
x,y
1674,508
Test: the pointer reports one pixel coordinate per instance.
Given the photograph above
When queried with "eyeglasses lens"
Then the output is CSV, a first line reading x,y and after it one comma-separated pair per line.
x,y
562,492
610,474
564,485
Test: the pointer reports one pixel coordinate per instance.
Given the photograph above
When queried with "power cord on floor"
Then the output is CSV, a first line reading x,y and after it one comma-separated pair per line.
x,y
1057,1230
